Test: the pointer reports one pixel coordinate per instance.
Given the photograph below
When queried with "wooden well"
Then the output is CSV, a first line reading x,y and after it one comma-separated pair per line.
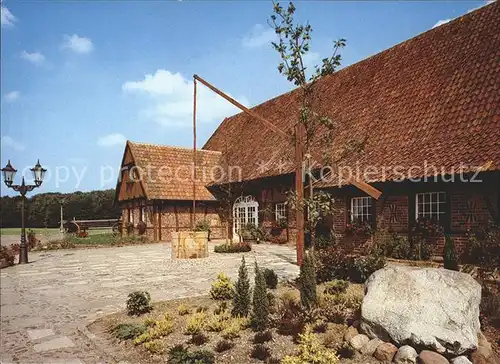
x,y
189,244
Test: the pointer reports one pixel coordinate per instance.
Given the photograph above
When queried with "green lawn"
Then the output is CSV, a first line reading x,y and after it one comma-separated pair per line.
x,y
38,231
104,239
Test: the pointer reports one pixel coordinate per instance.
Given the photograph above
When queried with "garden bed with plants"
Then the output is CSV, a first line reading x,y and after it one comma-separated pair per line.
x,y
239,323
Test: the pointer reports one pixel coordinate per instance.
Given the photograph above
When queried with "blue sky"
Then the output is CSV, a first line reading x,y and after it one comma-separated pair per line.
x,y
79,78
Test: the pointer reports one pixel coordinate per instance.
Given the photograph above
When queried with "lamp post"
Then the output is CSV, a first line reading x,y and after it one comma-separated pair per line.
x,y
8,177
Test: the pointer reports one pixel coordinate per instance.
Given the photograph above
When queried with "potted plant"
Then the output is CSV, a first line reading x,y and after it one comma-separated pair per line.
x,y
203,225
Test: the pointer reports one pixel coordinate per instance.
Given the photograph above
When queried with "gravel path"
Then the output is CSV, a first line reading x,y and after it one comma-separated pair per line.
x,y
44,302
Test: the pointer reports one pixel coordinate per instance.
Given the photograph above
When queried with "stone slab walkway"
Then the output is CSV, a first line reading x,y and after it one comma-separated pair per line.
x,y
44,302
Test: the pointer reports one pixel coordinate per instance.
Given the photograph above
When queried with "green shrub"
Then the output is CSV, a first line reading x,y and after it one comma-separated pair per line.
x,y
260,302
365,266
271,278
334,263
138,302
155,346
242,292
449,254
183,310
483,247
233,248
128,331
336,286
218,322
224,345
199,339
222,288
311,351
260,352
232,330
307,281
159,329
262,337
221,308
180,355
291,318
195,324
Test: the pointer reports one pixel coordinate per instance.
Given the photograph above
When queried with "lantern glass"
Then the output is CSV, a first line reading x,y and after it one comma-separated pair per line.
x,y
38,173
9,173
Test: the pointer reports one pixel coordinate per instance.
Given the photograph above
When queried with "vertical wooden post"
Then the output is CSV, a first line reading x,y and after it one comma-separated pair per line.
x,y
299,190
193,222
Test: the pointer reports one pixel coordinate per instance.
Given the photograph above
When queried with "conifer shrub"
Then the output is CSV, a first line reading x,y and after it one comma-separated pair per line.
x,y
199,339
138,302
271,278
307,280
224,345
449,254
262,337
242,292
222,288
260,302
260,352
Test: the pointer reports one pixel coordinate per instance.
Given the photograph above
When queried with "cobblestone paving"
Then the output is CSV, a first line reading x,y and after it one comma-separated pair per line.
x,y
44,302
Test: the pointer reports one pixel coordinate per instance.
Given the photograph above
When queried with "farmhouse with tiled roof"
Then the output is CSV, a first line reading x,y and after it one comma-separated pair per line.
x,y
429,106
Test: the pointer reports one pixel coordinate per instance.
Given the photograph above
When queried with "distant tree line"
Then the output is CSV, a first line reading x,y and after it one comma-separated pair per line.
x,y
43,210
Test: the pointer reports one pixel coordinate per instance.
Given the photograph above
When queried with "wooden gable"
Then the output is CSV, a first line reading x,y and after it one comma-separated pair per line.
x,y
129,188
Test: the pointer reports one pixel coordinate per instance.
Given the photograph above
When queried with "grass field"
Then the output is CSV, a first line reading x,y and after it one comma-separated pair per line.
x,y
38,231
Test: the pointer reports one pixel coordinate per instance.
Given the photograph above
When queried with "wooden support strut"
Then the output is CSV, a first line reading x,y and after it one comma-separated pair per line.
x,y
299,156
193,219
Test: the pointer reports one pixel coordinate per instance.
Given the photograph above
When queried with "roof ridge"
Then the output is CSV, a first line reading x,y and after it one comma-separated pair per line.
x,y
173,147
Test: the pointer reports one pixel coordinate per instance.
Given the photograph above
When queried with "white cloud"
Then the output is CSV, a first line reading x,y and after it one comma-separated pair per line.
x,y
7,18
12,96
444,21
10,143
441,22
111,140
78,44
259,36
172,100
36,57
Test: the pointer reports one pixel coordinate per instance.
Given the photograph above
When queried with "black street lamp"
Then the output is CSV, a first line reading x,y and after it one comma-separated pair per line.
x,y
8,177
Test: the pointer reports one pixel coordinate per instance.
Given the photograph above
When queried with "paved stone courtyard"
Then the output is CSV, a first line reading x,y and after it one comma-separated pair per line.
x,y
43,303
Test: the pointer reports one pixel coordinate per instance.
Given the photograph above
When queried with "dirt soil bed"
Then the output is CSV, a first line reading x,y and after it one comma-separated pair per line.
x,y
280,345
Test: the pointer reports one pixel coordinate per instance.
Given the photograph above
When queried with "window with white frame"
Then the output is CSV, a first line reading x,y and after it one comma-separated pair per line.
x,y
280,211
361,209
431,205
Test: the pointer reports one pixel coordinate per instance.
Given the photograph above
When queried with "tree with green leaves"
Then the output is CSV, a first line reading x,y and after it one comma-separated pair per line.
x,y
242,292
293,45
260,303
450,256
307,280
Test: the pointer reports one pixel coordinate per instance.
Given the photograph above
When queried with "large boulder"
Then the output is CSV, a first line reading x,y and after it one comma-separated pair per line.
x,y
429,308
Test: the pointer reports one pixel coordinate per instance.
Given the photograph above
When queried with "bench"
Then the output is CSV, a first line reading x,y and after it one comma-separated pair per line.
x,y
81,227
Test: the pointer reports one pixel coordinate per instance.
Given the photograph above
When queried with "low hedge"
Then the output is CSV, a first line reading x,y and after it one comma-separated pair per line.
x,y
233,248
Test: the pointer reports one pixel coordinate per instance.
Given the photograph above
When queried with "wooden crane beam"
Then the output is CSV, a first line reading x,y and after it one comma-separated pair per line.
x,y
299,157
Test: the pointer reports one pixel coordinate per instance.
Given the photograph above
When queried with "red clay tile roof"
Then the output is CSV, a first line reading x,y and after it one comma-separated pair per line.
x,y
171,171
435,97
